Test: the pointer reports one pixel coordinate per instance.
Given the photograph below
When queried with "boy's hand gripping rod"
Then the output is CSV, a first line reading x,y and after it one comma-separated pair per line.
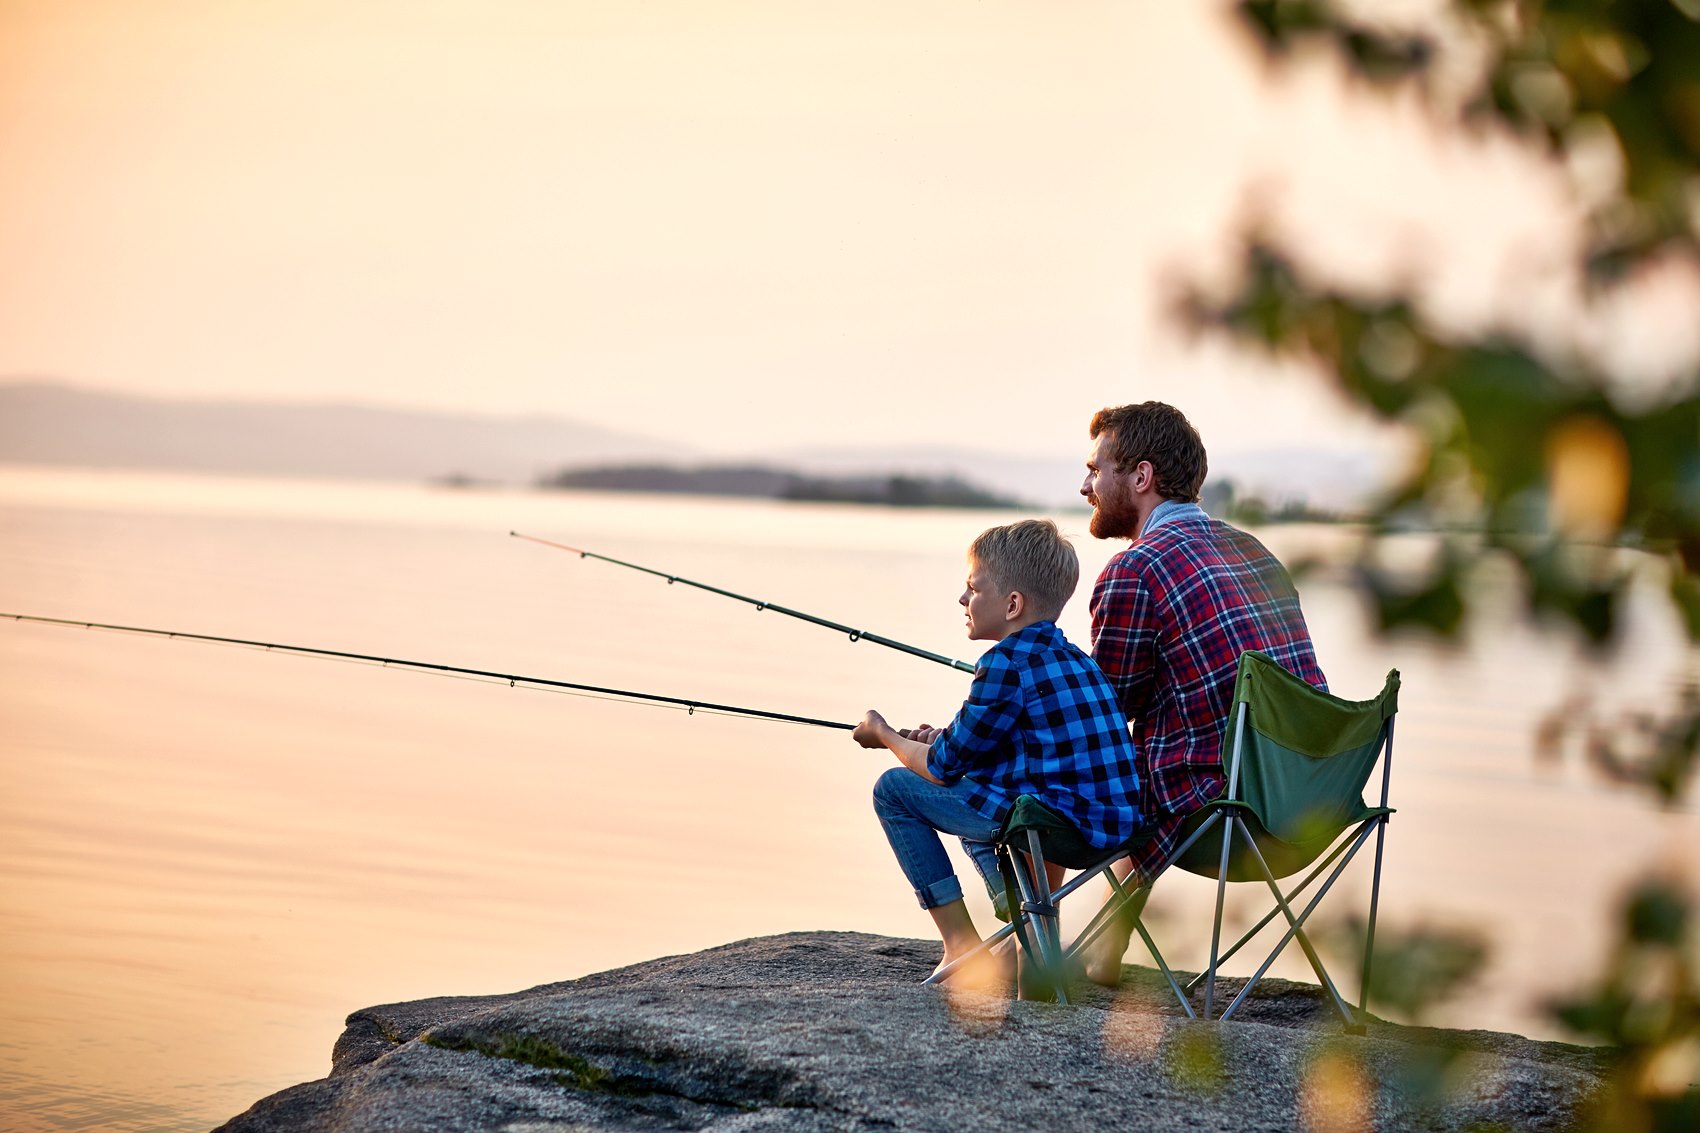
x,y
854,634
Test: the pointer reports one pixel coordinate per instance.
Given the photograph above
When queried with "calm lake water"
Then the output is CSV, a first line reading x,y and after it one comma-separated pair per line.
x,y
211,855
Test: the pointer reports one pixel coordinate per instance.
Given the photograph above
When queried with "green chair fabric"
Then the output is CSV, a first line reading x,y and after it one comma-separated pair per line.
x,y
1304,759
1059,837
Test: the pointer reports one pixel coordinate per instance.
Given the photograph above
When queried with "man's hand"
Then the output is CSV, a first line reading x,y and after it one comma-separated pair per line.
x,y
872,731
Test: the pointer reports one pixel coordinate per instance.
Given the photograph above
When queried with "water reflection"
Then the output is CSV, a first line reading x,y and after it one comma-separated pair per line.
x,y
212,855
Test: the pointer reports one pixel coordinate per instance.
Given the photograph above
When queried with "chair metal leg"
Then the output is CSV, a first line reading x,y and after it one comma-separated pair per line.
x,y
1162,966
1369,935
1095,927
1055,955
1298,933
1047,932
1216,925
1125,896
1107,912
1296,926
1024,914
1275,911
1101,919
986,945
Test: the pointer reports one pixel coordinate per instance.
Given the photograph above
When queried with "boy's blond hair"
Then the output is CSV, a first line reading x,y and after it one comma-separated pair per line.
x,y
1032,558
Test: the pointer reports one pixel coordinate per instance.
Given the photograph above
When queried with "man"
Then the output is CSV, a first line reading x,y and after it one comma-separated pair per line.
x,y
1170,617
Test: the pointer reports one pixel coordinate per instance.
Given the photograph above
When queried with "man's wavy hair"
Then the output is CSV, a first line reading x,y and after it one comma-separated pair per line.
x,y
1159,433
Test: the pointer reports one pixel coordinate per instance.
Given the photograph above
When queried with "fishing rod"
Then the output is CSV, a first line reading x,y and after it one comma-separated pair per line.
x,y
855,634
514,680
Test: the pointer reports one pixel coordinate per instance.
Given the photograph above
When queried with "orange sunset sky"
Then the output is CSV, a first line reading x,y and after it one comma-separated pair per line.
x,y
737,224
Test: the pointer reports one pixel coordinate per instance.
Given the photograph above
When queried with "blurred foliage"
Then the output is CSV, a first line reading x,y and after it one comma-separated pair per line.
x,y
1337,1091
1647,1005
1528,466
1597,77
1193,1058
1636,748
1534,465
1222,497
1414,969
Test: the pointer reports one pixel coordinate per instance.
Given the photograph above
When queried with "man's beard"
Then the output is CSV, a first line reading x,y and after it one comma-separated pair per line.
x,y
1114,519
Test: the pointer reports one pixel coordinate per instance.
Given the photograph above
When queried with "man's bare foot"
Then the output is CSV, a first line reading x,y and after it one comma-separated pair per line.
x,y
1102,959
1028,984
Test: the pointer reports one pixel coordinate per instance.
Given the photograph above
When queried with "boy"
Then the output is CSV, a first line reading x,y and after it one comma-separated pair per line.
x,y
1040,719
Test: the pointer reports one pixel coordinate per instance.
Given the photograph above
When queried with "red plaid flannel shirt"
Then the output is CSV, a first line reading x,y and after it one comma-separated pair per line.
x,y
1170,617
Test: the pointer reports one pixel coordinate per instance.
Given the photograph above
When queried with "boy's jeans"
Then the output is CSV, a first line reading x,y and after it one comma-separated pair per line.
x,y
914,811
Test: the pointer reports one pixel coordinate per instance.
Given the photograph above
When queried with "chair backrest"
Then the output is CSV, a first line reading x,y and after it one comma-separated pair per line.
x,y
1299,757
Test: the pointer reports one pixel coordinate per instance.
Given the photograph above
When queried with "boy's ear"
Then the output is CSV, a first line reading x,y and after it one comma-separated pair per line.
x,y
1016,605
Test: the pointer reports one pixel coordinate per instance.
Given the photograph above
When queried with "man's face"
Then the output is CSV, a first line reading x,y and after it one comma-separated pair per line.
x,y
1110,492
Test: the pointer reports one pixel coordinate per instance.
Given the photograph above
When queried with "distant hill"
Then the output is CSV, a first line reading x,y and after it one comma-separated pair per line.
x,y
47,423
42,423
767,482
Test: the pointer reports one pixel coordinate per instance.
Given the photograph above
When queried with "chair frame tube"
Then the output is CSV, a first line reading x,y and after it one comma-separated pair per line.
x,y
1375,886
1101,919
1298,924
1296,931
1240,711
1041,915
1316,872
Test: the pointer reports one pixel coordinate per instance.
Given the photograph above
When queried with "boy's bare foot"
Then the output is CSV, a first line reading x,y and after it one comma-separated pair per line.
x,y
990,971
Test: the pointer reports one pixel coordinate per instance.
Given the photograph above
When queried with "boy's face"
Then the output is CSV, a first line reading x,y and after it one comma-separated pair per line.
x,y
987,604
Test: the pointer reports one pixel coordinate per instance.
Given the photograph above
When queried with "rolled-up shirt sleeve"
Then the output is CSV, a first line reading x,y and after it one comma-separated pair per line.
x,y
980,731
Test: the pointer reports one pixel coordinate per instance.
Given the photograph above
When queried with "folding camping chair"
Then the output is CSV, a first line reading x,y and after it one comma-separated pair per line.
x,y
1298,762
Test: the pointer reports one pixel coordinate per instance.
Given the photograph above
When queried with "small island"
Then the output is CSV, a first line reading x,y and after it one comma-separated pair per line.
x,y
765,482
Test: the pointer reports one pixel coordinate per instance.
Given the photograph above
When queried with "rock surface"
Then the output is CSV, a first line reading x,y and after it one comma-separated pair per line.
x,y
833,1031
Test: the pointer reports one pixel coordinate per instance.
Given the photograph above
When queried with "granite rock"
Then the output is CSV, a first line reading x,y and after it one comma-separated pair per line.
x,y
834,1031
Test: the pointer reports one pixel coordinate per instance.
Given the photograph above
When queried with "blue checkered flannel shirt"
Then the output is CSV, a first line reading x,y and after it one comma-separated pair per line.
x,y
1041,720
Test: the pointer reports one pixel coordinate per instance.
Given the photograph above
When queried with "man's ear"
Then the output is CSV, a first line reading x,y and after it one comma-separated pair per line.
x,y
1144,476
1015,606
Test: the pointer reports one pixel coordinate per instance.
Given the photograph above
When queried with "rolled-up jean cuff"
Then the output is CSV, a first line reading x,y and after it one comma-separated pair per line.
x,y
941,892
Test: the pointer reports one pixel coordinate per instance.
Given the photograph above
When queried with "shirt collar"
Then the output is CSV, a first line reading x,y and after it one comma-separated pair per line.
x,y
1168,512
1035,634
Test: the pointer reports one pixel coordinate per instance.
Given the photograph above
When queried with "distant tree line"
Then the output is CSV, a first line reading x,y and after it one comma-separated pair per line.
x,y
1224,500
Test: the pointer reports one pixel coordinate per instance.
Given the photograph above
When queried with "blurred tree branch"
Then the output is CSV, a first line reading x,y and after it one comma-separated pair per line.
x,y
1531,463
1527,465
